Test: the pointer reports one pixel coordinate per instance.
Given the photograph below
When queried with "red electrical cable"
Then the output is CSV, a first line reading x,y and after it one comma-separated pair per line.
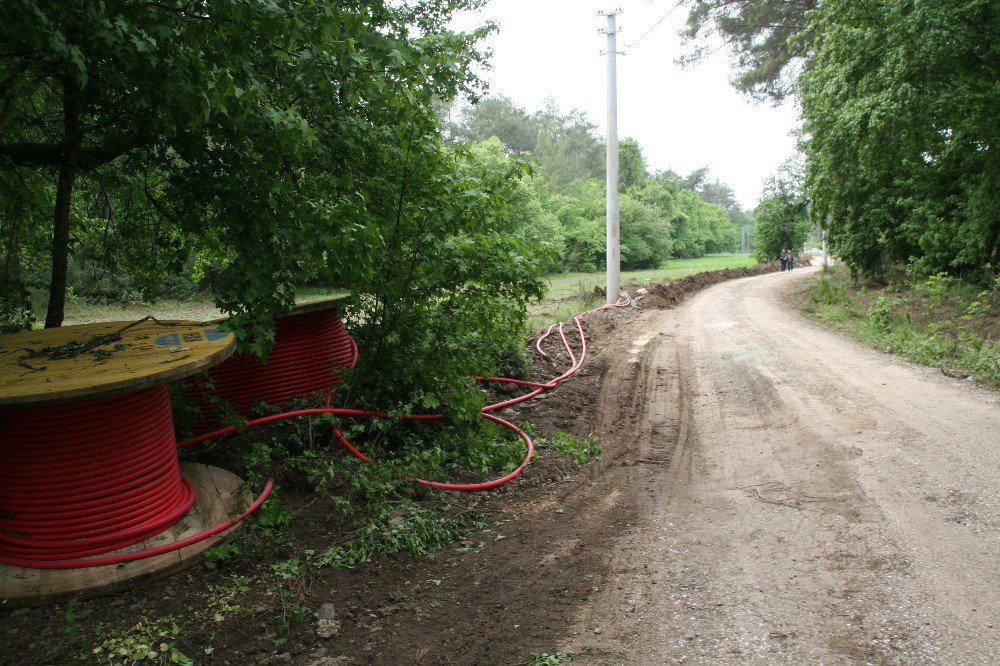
x,y
87,478
538,387
309,348
93,477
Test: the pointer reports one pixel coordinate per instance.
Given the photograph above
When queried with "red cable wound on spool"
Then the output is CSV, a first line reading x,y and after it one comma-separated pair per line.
x,y
88,477
309,348
92,477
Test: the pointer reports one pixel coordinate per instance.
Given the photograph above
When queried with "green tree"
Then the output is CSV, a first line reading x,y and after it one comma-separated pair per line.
x,y
695,180
568,150
246,128
781,219
274,142
900,110
696,226
527,212
580,212
723,236
24,198
498,117
768,38
718,193
645,232
446,271
631,164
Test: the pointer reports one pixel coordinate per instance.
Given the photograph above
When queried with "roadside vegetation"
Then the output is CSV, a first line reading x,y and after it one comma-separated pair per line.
x,y
269,150
899,127
936,321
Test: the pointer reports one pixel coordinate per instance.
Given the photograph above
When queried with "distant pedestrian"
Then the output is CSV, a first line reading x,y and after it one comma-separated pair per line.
x,y
790,260
784,259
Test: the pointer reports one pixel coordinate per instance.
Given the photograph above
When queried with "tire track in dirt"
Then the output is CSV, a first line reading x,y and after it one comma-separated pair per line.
x,y
802,499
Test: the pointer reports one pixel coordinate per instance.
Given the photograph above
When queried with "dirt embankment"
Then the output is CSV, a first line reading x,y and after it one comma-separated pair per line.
x,y
671,293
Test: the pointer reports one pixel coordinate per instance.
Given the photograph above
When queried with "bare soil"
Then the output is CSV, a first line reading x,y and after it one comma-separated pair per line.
x,y
769,492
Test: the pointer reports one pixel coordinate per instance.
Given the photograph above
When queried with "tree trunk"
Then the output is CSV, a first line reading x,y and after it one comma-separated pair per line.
x,y
64,194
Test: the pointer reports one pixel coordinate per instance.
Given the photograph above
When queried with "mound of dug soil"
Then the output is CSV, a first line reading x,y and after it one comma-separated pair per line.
x,y
669,294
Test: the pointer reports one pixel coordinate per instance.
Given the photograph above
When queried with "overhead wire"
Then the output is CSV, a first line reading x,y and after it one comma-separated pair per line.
x,y
655,25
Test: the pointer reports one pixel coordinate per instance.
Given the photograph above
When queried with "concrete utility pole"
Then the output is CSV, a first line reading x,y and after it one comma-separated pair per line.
x,y
614,234
745,237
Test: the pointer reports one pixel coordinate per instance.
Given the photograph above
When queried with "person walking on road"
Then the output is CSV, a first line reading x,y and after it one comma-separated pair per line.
x,y
784,259
790,259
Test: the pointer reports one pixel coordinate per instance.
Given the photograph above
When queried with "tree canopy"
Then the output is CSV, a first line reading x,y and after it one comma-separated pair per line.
x,y
262,145
768,39
248,131
781,219
903,128
900,122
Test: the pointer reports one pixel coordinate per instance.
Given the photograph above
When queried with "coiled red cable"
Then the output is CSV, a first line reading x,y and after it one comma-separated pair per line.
x,y
309,349
86,478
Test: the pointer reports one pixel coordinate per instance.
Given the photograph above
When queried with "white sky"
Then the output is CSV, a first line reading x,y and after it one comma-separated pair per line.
x,y
682,118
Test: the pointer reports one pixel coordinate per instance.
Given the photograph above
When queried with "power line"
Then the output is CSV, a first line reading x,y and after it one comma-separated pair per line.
x,y
655,25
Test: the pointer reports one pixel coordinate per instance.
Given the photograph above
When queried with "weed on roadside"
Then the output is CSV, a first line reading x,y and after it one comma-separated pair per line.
x,y
70,641
550,659
936,321
419,530
580,450
149,641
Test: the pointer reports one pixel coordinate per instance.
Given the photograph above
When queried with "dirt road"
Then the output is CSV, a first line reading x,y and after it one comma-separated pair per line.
x,y
799,498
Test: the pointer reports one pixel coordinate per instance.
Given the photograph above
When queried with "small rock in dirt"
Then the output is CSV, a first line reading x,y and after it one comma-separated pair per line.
x,y
396,519
283,658
342,660
326,629
598,630
327,612
387,610
211,566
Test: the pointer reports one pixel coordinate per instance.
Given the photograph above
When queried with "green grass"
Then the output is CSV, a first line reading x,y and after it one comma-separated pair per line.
x,y
937,321
568,294
78,311
577,284
572,293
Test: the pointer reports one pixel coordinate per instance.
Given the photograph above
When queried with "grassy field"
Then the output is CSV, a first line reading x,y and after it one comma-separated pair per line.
x,y
578,284
572,293
79,311
568,294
